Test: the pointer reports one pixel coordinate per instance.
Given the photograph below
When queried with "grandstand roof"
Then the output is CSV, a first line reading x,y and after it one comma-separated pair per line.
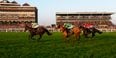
x,y
85,13
14,2
26,4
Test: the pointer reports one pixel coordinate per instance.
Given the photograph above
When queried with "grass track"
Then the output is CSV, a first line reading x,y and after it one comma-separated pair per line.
x,y
17,45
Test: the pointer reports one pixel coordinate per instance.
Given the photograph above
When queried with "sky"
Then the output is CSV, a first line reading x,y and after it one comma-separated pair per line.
x,y
48,8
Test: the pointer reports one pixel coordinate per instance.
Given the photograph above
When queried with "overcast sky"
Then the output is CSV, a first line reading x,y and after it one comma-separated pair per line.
x,y
48,8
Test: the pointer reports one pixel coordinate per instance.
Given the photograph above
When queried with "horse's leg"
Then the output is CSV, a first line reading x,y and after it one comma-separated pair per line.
x,y
40,36
93,34
75,39
31,36
86,35
65,36
66,39
79,36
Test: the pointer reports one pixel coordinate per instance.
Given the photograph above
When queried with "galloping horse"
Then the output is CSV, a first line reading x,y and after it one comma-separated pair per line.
x,y
87,31
74,31
36,31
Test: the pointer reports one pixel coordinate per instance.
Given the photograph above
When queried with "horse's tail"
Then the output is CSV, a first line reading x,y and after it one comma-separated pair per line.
x,y
47,31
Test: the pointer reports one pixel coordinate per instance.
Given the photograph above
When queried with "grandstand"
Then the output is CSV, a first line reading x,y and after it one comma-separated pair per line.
x,y
13,15
99,19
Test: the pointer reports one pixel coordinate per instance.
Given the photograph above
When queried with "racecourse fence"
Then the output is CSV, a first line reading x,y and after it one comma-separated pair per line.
x,y
52,29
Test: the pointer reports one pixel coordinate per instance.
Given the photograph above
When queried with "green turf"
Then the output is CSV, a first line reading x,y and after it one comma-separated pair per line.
x,y
17,45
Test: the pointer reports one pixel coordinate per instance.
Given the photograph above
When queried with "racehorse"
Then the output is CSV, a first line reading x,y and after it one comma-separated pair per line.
x,y
74,31
40,30
87,31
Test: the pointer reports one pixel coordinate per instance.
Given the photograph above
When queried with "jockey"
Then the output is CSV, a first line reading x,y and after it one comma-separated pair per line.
x,y
88,26
35,25
68,25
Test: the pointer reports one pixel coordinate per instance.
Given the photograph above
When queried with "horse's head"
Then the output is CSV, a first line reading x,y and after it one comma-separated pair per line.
x,y
61,28
25,28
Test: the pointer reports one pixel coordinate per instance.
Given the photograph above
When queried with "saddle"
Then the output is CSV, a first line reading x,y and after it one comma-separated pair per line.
x,y
89,29
35,30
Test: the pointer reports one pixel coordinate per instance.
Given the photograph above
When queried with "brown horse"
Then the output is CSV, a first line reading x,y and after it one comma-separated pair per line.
x,y
87,31
36,31
74,31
